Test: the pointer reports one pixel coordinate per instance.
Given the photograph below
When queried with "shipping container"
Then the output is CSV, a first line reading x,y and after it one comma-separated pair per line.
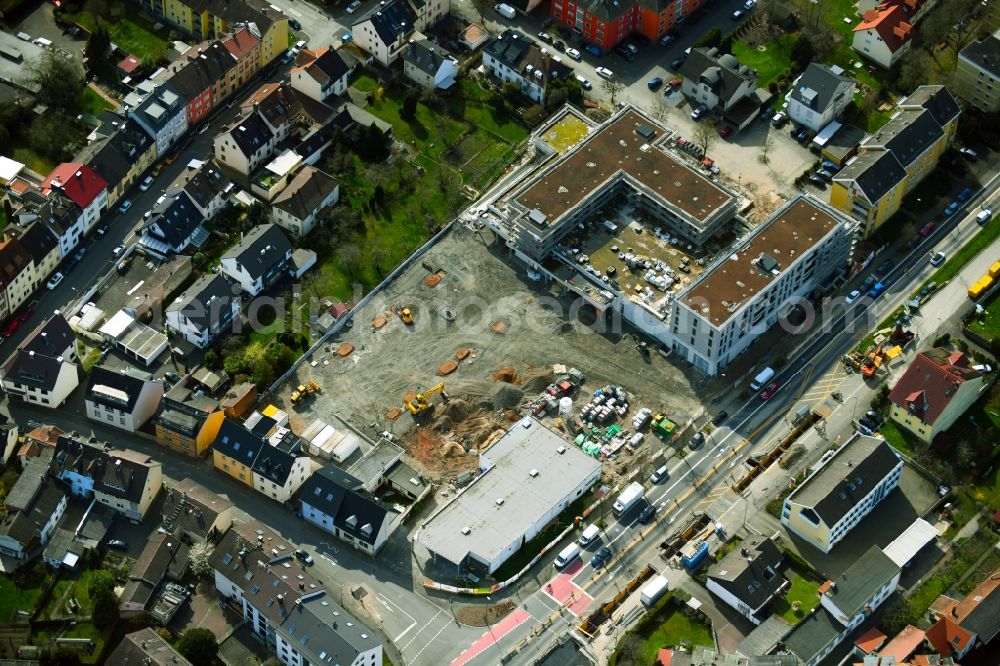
x,y
652,591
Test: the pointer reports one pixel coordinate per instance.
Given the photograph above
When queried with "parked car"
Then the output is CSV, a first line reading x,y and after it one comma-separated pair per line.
x,y
675,83
156,170
101,230
559,45
965,194
118,543
969,154
11,328
699,112
118,250
54,281
984,216
600,557
726,131
738,14
604,72
697,441
593,49
295,24
574,54
303,557
851,297
78,257
927,229
937,258
546,37
666,40
779,119
647,514
720,418
824,174
832,167
584,83
769,391
660,475
817,181
125,206
951,209
353,7
655,83
749,4
877,290
676,63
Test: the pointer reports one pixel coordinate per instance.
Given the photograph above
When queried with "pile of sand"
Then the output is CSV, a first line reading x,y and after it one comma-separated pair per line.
x,y
506,397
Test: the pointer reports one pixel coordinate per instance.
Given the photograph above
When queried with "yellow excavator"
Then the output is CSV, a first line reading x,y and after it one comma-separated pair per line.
x,y
419,404
407,316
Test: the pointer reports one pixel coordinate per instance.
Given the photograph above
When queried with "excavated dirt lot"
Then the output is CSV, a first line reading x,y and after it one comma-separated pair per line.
x,y
492,336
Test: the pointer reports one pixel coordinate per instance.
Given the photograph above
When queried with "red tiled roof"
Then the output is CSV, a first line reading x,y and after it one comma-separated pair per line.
x,y
978,595
664,656
930,383
871,640
241,43
78,181
903,644
889,21
946,637
129,64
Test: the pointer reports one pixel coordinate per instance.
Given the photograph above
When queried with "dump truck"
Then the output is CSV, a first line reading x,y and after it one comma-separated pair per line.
x,y
304,390
662,425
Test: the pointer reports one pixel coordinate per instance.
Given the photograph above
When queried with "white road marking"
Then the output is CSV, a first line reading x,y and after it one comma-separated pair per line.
x,y
403,647
417,655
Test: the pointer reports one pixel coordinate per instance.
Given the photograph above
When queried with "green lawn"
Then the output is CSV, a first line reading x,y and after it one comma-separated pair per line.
x,y
90,102
22,595
941,581
772,63
899,439
667,626
78,630
803,591
25,154
132,33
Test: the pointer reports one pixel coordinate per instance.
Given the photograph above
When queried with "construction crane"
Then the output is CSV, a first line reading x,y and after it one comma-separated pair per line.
x,y
419,404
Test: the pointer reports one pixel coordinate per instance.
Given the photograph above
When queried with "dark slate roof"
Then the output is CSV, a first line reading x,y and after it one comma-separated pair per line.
x,y
25,526
854,588
341,496
751,572
813,634
274,464
238,443
262,248
936,99
425,55
163,555
123,149
722,72
847,478
207,66
876,172
146,647
305,192
122,474
174,219
205,300
250,133
51,338
984,620
985,54
130,387
323,64
907,135
392,20
192,507
817,86
35,370
39,240
14,259
27,486
509,47
203,183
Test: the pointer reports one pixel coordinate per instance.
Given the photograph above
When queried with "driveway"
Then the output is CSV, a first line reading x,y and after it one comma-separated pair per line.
x,y
42,23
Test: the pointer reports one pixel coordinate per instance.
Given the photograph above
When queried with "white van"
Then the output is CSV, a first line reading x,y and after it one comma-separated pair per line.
x,y
984,216
567,555
589,535
505,10
762,378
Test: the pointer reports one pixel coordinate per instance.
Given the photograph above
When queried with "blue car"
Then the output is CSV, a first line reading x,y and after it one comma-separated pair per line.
x,y
965,194
600,557
593,50
655,83
951,209
832,167
875,291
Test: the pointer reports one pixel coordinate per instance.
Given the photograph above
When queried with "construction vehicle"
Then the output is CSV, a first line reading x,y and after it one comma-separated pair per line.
x,y
872,362
407,316
303,391
663,425
419,404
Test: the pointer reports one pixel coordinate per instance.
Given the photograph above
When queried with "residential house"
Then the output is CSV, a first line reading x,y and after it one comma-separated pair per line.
x,y
305,201
259,260
977,74
160,109
125,481
279,105
58,213
119,400
281,467
39,443
902,646
120,160
146,647
164,557
235,450
189,419
32,510
175,224
716,79
605,24
819,96
206,310
204,77
320,73
83,186
245,144
193,512
844,604
337,502
429,65
244,46
42,370
83,530
832,500
17,275
514,57
206,19
749,578
42,244
970,624
283,605
919,132
386,29
937,388
885,33
206,186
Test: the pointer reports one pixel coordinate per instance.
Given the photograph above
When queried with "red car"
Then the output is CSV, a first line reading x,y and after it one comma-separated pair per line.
x,y
725,131
24,316
675,83
10,328
771,389
926,231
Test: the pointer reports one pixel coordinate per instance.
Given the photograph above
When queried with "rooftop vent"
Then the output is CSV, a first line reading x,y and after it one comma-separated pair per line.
x,y
466,531
499,501
533,473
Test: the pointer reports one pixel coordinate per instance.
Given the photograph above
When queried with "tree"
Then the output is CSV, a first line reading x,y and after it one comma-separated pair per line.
x,y
47,135
803,51
97,45
59,80
560,91
234,364
481,7
914,69
409,110
629,649
660,110
101,580
955,23
613,86
711,38
198,559
349,259
199,646
62,657
705,136
105,613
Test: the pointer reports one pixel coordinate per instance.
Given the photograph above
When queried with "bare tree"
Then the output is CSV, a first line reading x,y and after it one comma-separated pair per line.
x,y
660,109
758,30
613,87
765,149
955,23
628,649
705,136
481,7
198,559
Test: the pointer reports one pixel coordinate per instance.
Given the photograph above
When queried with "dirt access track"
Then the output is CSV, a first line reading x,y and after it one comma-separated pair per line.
x,y
510,332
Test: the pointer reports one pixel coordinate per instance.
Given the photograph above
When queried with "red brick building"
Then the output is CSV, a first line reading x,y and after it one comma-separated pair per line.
x,y
605,23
